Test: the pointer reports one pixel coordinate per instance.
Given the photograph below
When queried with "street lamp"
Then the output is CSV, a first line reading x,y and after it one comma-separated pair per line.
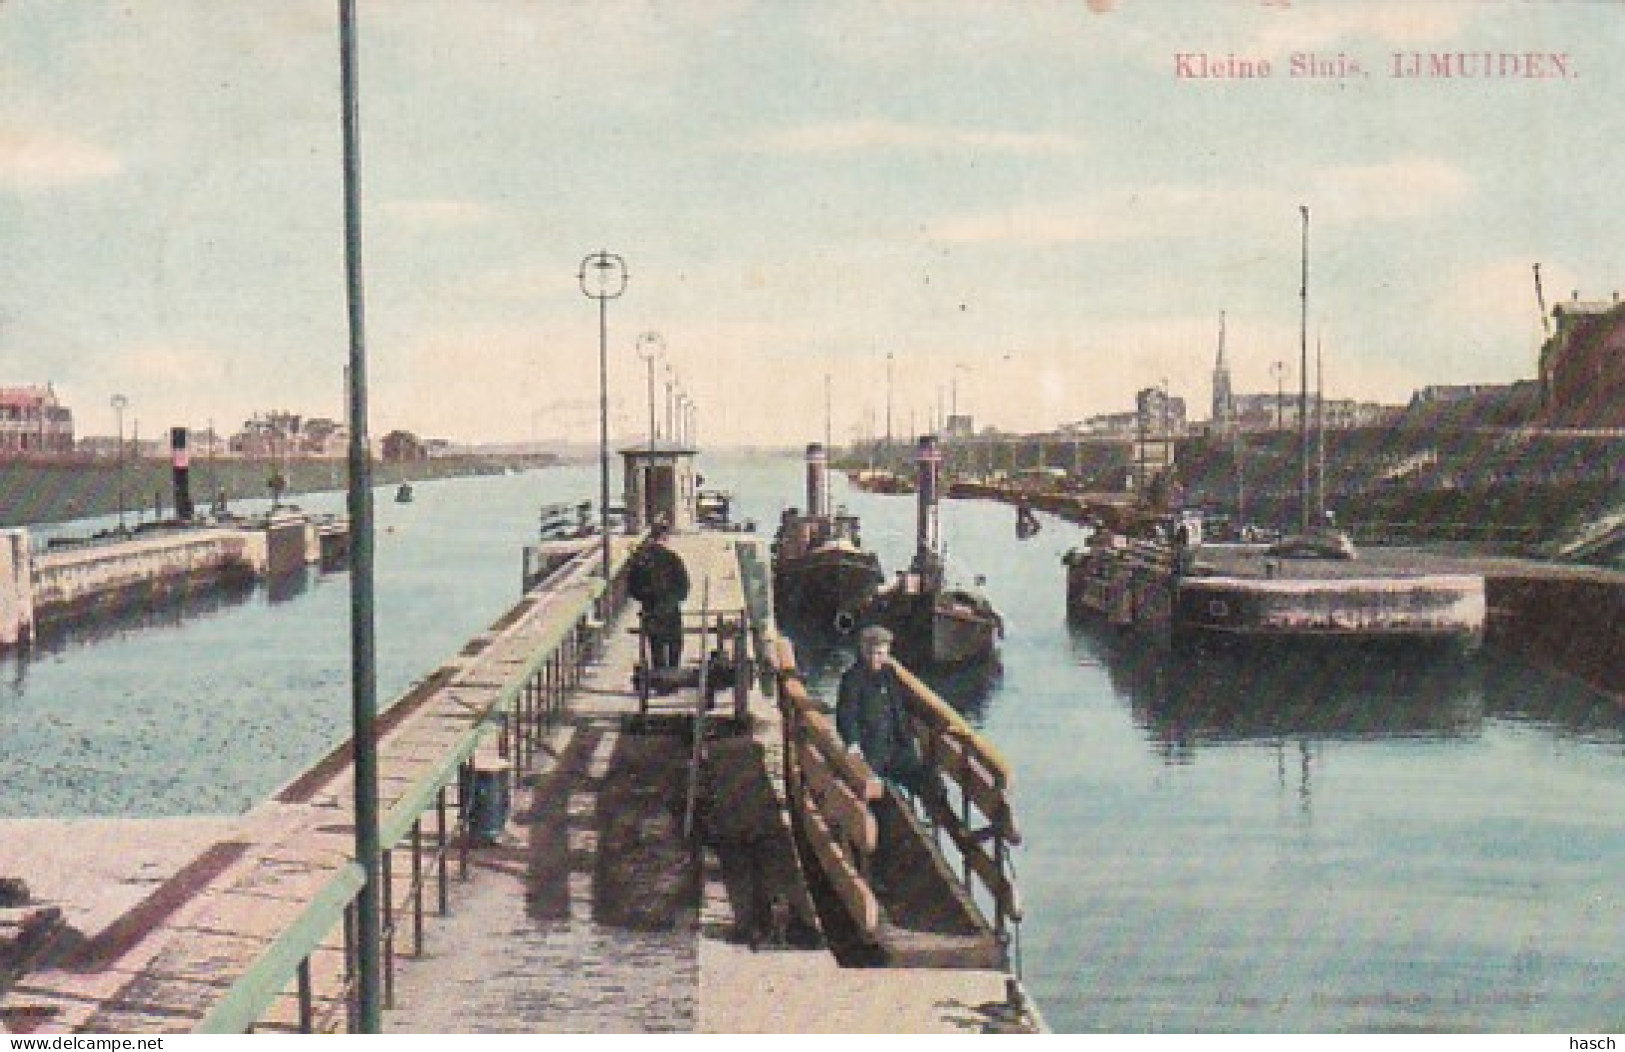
x,y
368,907
119,403
651,345
671,405
603,278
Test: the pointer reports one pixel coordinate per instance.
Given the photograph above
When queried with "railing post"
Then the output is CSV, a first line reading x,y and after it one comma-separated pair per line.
x,y
465,812
417,887
386,888
441,862
307,1021
352,1006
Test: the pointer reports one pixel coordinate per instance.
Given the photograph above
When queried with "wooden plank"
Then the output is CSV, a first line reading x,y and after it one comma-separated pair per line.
x,y
961,764
975,855
841,808
795,693
784,657
820,731
849,886
933,709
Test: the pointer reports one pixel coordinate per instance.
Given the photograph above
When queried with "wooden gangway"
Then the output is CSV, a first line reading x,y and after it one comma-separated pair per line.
x,y
882,854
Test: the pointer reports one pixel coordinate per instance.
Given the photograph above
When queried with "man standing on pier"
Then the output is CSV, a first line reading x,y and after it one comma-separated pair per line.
x,y
659,582
869,712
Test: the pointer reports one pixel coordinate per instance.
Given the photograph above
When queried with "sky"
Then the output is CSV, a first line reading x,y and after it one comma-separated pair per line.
x,y
1032,209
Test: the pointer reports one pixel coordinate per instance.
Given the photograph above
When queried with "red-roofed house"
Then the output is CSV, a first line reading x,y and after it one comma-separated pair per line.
x,y
34,421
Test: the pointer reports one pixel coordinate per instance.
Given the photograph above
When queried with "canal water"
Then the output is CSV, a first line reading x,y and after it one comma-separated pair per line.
x,y
1284,845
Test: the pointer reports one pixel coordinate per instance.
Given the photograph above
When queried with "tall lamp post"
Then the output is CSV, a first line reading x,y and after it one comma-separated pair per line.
x,y
671,406
363,653
119,402
651,345
603,278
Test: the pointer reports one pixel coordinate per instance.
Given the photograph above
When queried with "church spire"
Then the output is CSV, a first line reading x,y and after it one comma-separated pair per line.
x,y
1224,408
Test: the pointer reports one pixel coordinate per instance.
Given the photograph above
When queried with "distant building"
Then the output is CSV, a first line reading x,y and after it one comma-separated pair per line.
x,y
1451,392
399,446
1159,413
34,421
959,425
1269,411
1118,425
1582,365
1457,407
283,434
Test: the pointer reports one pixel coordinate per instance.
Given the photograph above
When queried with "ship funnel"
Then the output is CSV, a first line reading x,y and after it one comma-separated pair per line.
x,y
928,465
817,480
182,469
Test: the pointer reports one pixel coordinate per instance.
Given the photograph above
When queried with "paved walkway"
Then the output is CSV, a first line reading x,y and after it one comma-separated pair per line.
x,y
593,914
596,917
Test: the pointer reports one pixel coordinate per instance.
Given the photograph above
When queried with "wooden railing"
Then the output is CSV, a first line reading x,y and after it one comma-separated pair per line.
x,y
965,761
832,792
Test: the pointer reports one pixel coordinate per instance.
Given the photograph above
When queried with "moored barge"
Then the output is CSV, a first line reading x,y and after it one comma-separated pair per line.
x,y
1244,593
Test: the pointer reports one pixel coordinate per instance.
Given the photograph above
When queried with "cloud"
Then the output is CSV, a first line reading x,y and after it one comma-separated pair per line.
x,y
43,160
1496,299
429,214
1410,24
847,136
1398,189
1114,215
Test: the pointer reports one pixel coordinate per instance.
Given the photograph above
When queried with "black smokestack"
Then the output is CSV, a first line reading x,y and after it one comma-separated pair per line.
x,y
182,469
928,463
817,480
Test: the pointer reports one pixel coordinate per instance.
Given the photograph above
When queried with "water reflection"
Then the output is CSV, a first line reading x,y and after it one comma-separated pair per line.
x,y
1185,699
169,611
289,586
1516,691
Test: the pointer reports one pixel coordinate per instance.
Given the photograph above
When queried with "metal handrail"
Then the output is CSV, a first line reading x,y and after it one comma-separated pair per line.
x,y
287,958
246,1001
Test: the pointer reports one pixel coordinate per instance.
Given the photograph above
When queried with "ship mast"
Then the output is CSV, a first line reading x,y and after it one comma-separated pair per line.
x,y
1303,381
1540,300
1227,407
1320,438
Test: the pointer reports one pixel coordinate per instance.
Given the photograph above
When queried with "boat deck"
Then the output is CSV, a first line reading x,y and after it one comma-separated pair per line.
x,y
1251,561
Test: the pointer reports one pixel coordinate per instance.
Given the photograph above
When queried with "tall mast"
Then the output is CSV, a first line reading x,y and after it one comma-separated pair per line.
x,y
1303,381
1320,437
829,441
1228,406
888,401
1540,300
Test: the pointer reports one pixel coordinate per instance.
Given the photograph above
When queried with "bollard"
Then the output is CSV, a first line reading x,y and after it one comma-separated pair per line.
x,y
486,798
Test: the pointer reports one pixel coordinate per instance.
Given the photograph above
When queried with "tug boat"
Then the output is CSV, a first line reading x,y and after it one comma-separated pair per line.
x,y
822,575
934,624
